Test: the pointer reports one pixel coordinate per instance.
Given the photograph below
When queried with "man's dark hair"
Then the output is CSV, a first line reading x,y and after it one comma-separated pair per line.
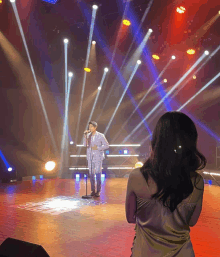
x,y
174,157
93,123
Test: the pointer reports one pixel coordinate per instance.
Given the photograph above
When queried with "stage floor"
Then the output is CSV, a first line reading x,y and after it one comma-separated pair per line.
x,y
52,213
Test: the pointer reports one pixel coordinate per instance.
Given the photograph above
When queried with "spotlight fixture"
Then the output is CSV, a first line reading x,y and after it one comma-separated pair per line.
x,y
126,22
194,77
156,57
49,166
165,80
99,88
206,52
9,169
190,51
93,42
95,7
173,57
106,69
138,62
181,9
87,69
70,74
71,142
150,30
65,40
138,165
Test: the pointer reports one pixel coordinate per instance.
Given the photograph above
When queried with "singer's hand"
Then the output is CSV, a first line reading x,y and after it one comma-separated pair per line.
x,y
95,147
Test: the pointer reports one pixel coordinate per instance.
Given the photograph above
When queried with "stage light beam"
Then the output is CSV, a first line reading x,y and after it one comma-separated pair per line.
x,y
106,69
93,42
95,7
167,94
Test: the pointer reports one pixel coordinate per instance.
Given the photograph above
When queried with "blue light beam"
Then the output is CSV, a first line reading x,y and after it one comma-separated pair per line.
x,y
165,97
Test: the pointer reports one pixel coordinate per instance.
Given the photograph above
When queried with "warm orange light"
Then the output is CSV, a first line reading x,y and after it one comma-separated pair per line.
x,y
181,9
191,51
194,77
165,80
0,1
126,22
156,57
87,69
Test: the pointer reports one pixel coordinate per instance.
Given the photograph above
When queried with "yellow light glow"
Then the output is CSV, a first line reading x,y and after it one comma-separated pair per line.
x,y
156,57
87,69
191,51
181,9
126,22
138,165
165,80
194,77
0,1
50,165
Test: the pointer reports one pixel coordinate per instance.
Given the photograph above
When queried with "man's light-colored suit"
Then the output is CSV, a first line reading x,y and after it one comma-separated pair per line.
x,y
95,157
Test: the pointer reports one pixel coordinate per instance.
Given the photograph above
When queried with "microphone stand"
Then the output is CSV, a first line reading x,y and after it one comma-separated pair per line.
x,y
87,196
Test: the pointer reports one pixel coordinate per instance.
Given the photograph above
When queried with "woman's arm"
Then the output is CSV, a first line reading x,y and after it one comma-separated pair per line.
x,y
131,202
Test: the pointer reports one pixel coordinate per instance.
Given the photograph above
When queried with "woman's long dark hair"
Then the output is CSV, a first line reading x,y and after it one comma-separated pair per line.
x,y
174,157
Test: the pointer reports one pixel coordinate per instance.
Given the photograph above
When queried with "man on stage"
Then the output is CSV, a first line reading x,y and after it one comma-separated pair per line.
x,y
96,144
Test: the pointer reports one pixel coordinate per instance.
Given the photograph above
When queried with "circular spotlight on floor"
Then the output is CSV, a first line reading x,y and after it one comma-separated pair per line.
x,y
49,166
206,52
93,42
173,57
150,30
138,62
65,40
106,69
99,88
95,7
9,169
70,74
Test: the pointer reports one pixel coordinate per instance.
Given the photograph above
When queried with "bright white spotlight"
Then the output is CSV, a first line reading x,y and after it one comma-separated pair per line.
x,y
93,42
106,69
12,1
50,165
173,57
99,88
71,142
70,74
206,52
9,169
65,40
95,7
138,62
150,30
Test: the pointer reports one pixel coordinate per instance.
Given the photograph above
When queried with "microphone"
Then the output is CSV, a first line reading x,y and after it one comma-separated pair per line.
x,y
86,132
